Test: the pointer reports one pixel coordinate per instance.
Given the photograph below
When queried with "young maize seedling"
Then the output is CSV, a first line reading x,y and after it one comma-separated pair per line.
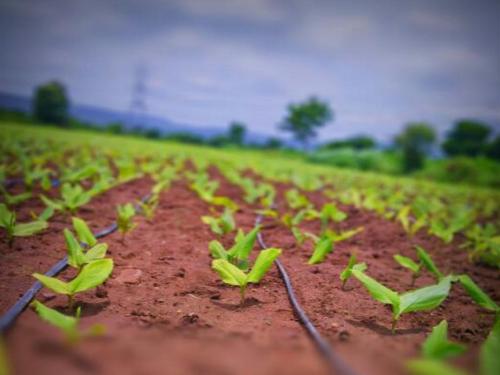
x,y
221,225
232,275
343,235
409,264
424,366
329,212
91,275
351,265
77,258
437,346
13,229
238,254
72,197
125,216
422,299
67,324
322,248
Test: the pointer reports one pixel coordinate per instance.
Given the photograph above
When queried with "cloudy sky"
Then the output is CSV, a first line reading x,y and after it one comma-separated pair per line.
x,y
379,63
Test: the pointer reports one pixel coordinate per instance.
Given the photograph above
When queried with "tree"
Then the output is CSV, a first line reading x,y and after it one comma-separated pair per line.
x,y
467,137
303,119
415,140
361,142
236,134
493,150
51,104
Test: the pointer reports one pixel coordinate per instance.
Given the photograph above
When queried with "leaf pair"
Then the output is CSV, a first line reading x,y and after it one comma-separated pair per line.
x,y
232,275
14,229
351,265
221,225
72,197
91,275
67,324
77,258
238,254
125,215
322,248
422,299
425,261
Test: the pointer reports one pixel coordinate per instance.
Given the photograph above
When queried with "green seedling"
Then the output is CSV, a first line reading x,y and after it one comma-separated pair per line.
x,y
351,265
410,225
427,262
224,202
477,294
221,225
148,207
72,197
12,200
409,264
204,187
14,229
329,212
422,299
489,360
238,254
437,346
342,235
91,275
67,324
125,216
322,248
77,257
232,275
296,200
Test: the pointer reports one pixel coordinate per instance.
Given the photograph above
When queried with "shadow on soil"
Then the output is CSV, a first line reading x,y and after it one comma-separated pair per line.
x,y
381,330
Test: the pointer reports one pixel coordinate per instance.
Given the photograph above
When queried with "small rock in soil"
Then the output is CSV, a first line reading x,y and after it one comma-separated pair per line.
x,y
190,318
344,335
180,273
101,292
129,276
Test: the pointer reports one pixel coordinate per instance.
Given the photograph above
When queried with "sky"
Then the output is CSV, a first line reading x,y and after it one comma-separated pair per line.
x,y
380,64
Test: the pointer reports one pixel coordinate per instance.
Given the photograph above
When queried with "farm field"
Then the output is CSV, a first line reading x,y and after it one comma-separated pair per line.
x,y
376,262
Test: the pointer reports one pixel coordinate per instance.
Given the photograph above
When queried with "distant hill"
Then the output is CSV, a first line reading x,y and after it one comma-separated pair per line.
x,y
103,116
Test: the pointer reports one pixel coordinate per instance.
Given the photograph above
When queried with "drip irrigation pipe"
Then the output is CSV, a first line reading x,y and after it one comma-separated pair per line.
x,y
336,364
11,315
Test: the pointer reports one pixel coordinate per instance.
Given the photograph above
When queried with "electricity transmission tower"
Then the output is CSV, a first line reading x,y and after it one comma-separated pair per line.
x,y
138,107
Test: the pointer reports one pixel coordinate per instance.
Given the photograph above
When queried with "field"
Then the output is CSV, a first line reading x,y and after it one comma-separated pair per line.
x,y
178,302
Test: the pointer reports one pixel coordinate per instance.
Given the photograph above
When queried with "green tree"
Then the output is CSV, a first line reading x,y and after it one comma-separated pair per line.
x,y
303,119
415,141
236,134
468,138
361,142
493,150
51,104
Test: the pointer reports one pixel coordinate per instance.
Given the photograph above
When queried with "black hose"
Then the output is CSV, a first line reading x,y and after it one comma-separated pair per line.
x,y
336,364
11,315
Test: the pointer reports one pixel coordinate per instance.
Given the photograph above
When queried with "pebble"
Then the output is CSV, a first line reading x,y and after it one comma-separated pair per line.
x,y
129,276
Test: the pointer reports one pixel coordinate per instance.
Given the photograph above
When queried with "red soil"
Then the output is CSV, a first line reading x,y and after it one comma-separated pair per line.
x,y
167,312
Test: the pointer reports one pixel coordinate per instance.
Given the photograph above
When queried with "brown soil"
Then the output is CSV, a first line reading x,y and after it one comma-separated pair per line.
x,y
166,312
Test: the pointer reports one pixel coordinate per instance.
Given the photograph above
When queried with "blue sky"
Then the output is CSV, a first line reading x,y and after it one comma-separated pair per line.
x,y
379,63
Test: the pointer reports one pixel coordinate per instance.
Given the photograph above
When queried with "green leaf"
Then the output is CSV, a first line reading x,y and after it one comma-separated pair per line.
x,y
84,233
428,263
351,265
46,214
91,275
6,217
477,294
64,322
225,202
423,299
378,291
322,248
229,273
96,252
76,257
432,367
407,263
53,284
489,358
262,264
217,250
437,345
28,229
244,244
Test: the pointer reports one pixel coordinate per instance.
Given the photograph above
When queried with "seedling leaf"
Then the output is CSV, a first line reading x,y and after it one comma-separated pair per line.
x,y
322,248
437,346
262,264
477,294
